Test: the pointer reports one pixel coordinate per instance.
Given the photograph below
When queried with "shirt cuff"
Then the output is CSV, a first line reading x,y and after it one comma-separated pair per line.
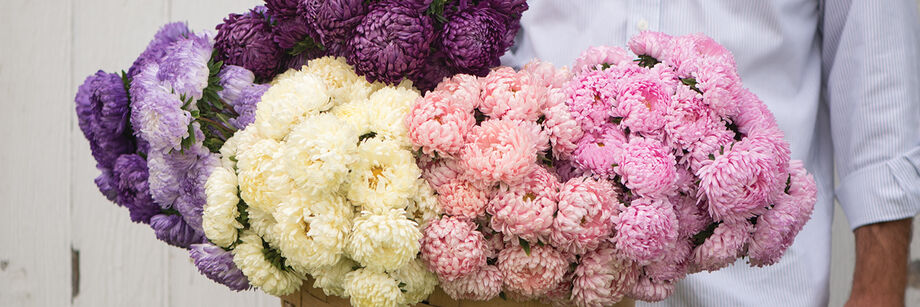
x,y
883,192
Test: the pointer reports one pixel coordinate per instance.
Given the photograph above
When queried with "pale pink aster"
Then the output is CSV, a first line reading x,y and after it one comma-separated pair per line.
x,y
591,97
463,90
688,120
503,150
452,247
776,229
645,229
462,198
600,153
438,172
526,210
534,274
603,278
647,168
720,83
583,219
507,94
704,151
650,43
495,241
438,126
566,169
596,57
481,285
561,293
673,266
563,130
721,248
643,100
650,290
691,215
545,74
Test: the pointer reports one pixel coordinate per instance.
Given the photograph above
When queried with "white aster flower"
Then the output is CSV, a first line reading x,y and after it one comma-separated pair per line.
x,y
241,141
253,259
263,183
332,278
424,206
356,113
388,108
318,152
312,230
288,101
369,288
416,281
383,177
220,212
383,241
263,224
340,78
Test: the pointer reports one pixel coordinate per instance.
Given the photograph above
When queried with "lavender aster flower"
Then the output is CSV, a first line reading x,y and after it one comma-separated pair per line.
x,y
185,66
156,49
246,106
334,21
240,92
246,40
130,174
192,198
173,230
217,264
391,43
473,40
156,113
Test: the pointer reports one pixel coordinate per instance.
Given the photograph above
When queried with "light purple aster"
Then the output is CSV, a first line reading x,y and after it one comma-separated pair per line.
x,y
156,113
130,174
217,264
156,49
184,68
192,198
246,40
246,106
473,40
240,92
173,230
391,43
334,21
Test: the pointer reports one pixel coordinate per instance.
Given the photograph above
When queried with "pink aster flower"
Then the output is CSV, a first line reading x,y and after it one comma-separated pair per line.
x,y
452,247
687,52
533,274
437,125
591,97
438,172
645,229
691,215
503,150
481,285
702,152
754,114
776,229
583,219
462,198
566,170
526,210
720,83
600,153
688,120
596,56
650,290
643,102
464,90
603,277
561,293
545,74
507,94
563,130
650,43
673,266
647,168
721,248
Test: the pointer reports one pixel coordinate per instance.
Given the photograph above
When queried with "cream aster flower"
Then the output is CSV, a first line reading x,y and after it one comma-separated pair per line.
x,y
389,107
263,224
356,113
311,230
343,83
263,266
318,152
415,281
263,184
288,101
372,289
424,206
332,278
383,241
383,177
220,212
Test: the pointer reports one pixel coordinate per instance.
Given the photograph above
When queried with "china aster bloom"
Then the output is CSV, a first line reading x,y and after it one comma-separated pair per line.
x,y
473,40
415,282
647,167
219,218
591,97
366,287
173,230
650,290
643,101
334,21
192,196
258,263
688,120
462,198
157,115
263,182
675,263
654,44
452,247
563,130
645,229
531,274
391,43
246,40
383,241
600,153
547,75
439,125
438,172
102,107
382,177
603,277
722,247
318,153
692,215
130,175
156,49
332,278
596,57
481,285
217,264
184,68
423,206
583,219
436,69
291,98
240,92
503,150
720,84
508,94
526,210
311,230
776,229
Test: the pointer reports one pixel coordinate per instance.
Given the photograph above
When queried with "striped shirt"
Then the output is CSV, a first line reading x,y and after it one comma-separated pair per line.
x,y
842,78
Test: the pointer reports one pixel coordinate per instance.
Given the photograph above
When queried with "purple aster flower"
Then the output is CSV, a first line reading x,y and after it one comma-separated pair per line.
x,y
246,106
102,107
391,43
130,175
334,21
217,264
511,8
282,8
473,40
192,198
106,183
240,92
156,112
167,172
156,49
173,230
435,70
246,40
185,66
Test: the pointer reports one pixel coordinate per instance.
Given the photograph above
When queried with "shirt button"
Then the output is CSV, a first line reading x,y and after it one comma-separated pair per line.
x,y
642,25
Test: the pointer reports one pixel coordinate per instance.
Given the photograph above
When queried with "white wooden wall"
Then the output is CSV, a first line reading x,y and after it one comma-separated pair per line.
x,y
49,207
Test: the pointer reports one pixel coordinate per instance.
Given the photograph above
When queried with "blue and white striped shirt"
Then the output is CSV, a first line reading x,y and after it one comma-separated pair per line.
x,y
842,78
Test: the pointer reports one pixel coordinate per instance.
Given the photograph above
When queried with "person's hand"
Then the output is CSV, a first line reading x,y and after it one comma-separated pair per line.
x,y
880,274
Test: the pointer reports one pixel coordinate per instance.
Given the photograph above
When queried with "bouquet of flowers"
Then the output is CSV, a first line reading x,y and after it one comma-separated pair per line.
x,y
618,180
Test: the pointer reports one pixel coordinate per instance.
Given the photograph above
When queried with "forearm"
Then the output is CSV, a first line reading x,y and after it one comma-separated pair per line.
x,y
880,275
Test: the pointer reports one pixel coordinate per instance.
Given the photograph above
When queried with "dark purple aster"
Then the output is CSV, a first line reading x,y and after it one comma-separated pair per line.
x,y
511,8
474,39
106,183
334,21
217,264
246,40
173,230
168,34
434,71
282,8
130,175
392,43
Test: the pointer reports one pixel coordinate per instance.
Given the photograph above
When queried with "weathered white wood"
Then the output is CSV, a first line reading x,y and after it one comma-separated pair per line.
x,y
35,153
206,14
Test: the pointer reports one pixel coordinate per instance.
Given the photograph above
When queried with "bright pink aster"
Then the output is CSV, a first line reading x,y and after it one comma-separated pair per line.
x,y
507,94
481,285
438,172
583,218
650,290
754,115
673,266
643,102
600,153
603,277
688,120
691,216
720,84
503,150
546,75
452,247
526,210
647,168
704,151
650,43
645,229
688,52
596,56
721,248
437,125
462,198
591,97
776,229
533,275
563,130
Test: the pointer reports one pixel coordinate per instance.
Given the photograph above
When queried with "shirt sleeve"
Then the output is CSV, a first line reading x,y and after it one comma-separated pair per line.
x,y
871,68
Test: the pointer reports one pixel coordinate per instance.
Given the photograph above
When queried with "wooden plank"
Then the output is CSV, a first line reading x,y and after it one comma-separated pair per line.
x,y
35,260
206,14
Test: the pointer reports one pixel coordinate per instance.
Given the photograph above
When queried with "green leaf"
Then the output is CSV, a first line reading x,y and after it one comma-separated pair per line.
x,y
525,245
788,184
647,61
502,295
712,157
401,285
616,120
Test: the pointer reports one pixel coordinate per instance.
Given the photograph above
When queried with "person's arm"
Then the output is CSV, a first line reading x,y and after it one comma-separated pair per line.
x,y
871,68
